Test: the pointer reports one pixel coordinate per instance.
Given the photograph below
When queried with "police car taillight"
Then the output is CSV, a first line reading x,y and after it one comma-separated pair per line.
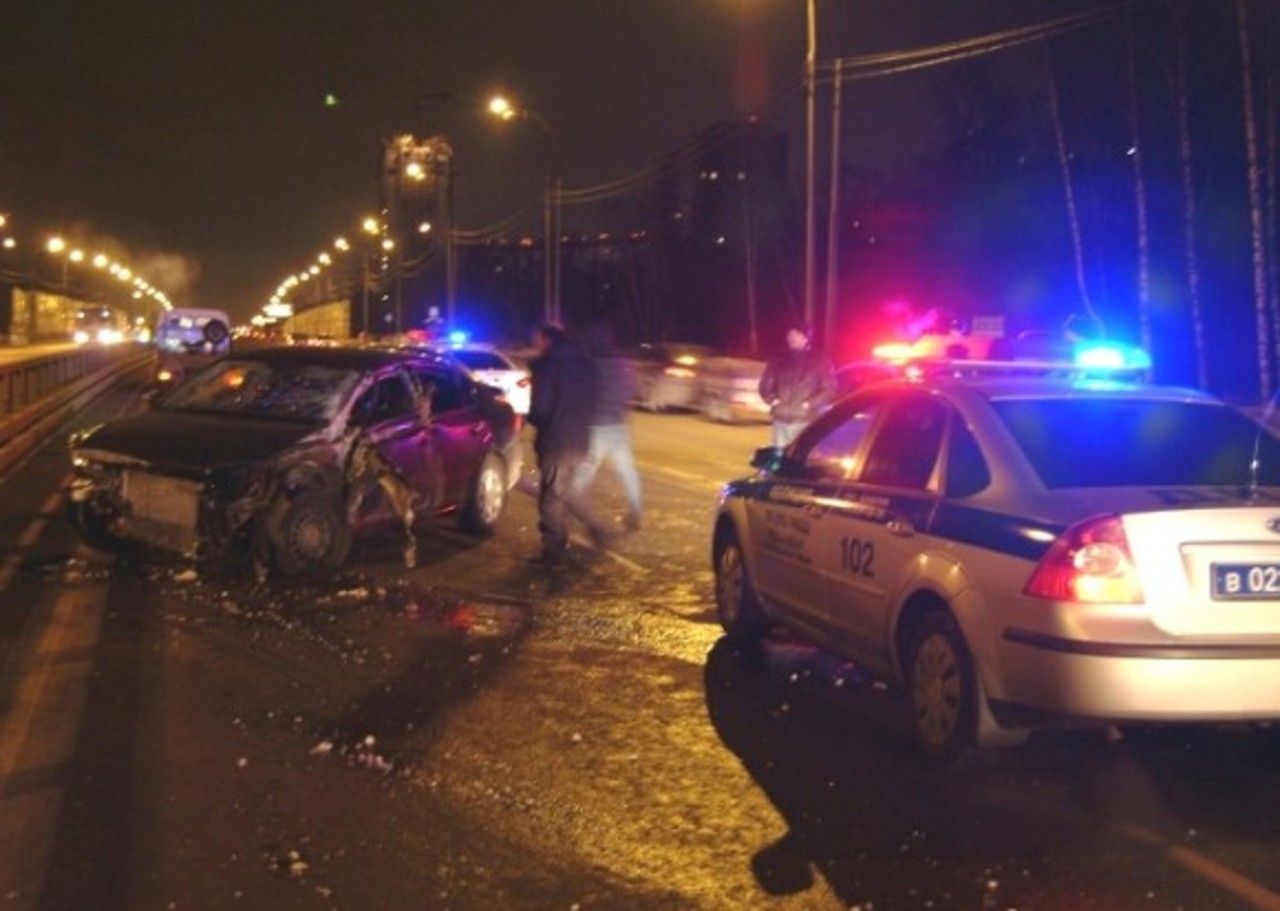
x,y
1090,563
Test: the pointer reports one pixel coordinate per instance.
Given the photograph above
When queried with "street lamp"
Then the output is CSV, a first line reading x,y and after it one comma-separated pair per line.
x,y
10,243
54,246
76,256
341,244
503,109
371,225
424,227
100,261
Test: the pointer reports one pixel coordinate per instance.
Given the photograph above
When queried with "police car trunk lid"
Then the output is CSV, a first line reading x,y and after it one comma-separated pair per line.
x,y
1208,569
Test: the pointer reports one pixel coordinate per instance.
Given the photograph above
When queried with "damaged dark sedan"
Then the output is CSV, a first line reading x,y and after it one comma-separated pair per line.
x,y
285,455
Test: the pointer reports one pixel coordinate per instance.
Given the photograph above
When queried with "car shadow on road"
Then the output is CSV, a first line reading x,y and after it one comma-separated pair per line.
x,y
402,713
1044,825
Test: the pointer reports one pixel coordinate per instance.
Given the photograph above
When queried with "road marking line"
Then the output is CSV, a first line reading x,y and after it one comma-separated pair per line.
x,y
31,534
611,554
1239,885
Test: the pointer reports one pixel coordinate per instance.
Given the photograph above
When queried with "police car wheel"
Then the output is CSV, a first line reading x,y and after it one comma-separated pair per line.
x,y
737,607
941,684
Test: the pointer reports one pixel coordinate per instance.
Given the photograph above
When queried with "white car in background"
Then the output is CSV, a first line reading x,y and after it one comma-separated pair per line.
x,y
492,368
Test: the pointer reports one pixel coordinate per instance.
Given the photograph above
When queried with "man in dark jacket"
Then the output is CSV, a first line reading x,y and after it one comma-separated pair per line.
x,y
565,387
797,385
611,426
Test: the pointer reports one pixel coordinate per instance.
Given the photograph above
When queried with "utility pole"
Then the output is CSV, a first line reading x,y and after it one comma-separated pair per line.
x,y
810,176
549,242
450,250
833,223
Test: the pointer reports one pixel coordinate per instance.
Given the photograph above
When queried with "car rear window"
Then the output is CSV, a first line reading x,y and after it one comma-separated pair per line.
x,y
1138,443
481,360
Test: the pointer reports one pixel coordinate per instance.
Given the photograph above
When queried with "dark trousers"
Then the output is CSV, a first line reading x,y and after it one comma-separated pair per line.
x,y
559,497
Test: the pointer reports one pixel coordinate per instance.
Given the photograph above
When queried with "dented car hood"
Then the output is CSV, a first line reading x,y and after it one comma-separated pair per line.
x,y
194,441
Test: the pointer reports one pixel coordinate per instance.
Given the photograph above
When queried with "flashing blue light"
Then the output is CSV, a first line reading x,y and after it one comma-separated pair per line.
x,y
1112,356
459,337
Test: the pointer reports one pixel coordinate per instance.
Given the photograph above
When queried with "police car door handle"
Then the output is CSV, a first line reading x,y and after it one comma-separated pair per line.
x,y
900,527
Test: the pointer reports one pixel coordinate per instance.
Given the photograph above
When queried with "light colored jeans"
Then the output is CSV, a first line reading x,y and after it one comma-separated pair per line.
x,y
613,442
786,431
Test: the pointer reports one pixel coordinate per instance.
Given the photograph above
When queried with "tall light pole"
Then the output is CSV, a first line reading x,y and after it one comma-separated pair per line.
x,y
502,108
810,169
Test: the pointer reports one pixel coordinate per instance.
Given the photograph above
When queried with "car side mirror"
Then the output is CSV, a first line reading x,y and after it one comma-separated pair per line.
x,y
771,459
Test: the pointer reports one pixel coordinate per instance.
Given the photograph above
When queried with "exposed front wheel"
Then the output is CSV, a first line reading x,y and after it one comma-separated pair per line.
x,y
737,606
942,687
488,497
95,527
308,534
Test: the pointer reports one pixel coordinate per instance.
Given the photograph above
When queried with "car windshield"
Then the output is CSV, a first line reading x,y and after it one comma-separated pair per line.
x,y
481,360
296,393
1139,443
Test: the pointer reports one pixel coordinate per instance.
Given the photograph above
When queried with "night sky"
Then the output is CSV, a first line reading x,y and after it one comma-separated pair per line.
x,y
200,128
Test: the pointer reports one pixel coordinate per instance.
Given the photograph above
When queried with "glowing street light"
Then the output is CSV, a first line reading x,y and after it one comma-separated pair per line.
x,y
341,244
76,256
415,171
314,270
424,227
501,107
10,243
56,244
388,244
4,220
125,275
371,225
100,261
324,259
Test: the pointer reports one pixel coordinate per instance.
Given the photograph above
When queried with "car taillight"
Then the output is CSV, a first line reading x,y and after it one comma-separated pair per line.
x,y
1090,563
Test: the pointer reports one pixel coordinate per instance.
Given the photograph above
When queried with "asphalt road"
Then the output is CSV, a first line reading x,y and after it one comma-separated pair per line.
x,y
478,734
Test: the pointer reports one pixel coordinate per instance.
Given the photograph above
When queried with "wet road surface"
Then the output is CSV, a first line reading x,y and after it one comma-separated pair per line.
x,y
476,733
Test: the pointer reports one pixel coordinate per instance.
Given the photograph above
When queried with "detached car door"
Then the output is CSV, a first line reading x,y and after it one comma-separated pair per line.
x,y
391,425
460,433
878,529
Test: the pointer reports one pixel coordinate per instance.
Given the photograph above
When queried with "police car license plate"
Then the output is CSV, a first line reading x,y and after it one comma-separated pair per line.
x,y
1245,581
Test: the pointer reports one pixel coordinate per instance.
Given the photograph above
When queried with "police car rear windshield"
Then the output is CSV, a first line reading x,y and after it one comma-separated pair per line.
x,y
1139,443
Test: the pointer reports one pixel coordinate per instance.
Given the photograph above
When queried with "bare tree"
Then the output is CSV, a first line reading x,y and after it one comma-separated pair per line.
x,y
1273,229
1139,188
1181,85
1073,217
1254,176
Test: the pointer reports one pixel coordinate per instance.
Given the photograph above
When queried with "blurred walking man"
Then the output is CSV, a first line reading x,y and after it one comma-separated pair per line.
x,y
565,387
797,384
611,426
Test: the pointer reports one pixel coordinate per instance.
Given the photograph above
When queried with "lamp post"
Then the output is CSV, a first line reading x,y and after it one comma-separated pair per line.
x,y
810,170
58,247
503,109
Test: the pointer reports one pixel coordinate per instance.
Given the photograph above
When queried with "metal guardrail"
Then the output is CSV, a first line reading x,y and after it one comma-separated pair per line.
x,y
25,383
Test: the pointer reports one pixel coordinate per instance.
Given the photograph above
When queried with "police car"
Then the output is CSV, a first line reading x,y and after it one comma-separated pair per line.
x,y
1020,547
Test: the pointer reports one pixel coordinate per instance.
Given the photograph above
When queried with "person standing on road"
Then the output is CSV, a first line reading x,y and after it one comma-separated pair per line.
x,y
563,402
796,384
611,426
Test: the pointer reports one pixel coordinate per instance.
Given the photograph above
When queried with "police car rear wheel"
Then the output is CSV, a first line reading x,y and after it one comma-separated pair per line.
x,y
942,687
737,607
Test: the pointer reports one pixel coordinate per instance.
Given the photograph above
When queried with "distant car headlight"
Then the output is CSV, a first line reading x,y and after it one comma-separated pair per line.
x,y
80,337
